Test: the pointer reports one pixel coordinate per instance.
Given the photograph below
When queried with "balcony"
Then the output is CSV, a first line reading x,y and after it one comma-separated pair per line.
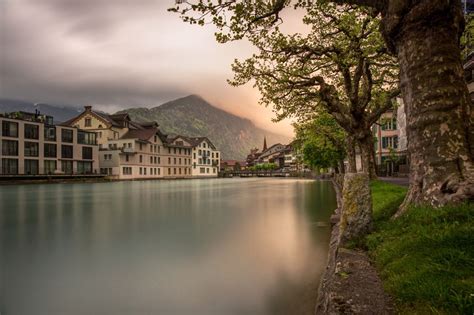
x,y
129,150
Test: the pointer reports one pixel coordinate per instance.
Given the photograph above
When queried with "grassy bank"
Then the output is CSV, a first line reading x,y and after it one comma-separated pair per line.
x,y
426,257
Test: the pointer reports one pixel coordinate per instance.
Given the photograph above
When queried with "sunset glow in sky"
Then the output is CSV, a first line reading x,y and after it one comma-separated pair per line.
x,y
118,54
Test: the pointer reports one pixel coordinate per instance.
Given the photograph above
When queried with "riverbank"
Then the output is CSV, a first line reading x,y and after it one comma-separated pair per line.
x,y
424,261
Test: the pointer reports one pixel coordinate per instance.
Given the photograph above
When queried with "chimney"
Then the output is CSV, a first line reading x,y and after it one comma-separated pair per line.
x,y
88,108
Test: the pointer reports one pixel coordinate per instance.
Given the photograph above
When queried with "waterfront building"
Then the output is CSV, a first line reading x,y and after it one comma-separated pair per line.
x,y
33,145
232,165
205,156
133,150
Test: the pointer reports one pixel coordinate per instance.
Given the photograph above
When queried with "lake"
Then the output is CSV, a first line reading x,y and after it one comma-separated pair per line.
x,y
211,246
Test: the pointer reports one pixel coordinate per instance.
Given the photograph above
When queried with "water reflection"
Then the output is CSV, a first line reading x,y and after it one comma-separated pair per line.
x,y
225,246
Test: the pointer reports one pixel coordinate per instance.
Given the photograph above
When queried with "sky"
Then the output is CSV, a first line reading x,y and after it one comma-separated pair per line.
x,y
119,54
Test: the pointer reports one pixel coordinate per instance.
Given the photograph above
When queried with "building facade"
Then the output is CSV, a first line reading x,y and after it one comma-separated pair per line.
x,y
391,141
132,150
33,145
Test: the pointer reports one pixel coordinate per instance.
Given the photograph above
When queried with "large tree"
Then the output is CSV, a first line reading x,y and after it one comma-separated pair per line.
x,y
424,35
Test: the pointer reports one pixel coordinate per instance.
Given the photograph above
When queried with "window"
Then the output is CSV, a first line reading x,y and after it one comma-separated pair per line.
x,y
50,150
31,149
169,160
179,150
31,167
174,171
200,152
202,170
207,170
10,129
390,142
389,124
180,171
31,131
159,160
88,122
49,133
151,160
9,166
194,155
214,170
144,171
200,161
10,147
67,135
174,160
87,153
159,171
141,157
217,154
204,145
127,171
174,150
49,167
66,151
84,167
212,154
179,161
66,167
140,171
169,171
127,158
84,137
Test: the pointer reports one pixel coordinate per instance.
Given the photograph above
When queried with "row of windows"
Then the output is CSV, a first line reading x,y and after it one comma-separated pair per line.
x,y
31,167
155,171
206,170
10,148
179,151
207,161
10,129
205,153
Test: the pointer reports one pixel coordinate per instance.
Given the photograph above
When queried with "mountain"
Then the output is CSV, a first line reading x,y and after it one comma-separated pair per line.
x,y
60,113
193,116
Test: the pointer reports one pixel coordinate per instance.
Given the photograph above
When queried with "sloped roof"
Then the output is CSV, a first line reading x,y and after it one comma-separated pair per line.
x,y
142,134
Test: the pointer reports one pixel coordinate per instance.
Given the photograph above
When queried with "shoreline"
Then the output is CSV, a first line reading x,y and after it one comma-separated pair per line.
x,y
93,180
350,284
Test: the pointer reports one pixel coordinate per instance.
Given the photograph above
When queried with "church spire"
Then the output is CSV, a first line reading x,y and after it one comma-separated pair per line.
x,y
264,144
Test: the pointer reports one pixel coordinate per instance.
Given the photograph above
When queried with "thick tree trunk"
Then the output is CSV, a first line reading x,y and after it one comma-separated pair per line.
x,y
351,155
368,155
439,113
356,216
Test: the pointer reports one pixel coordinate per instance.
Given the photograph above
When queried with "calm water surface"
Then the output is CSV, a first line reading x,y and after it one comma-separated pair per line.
x,y
223,246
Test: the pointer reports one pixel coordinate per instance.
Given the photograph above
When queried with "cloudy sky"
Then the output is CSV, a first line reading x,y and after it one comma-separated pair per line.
x,y
116,54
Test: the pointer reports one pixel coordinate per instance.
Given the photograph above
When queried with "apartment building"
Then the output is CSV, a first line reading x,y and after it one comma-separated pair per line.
x,y
205,159
33,145
391,141
132,150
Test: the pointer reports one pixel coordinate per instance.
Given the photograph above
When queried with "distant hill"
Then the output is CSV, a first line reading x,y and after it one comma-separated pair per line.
x,y
193,116
189,116
59,112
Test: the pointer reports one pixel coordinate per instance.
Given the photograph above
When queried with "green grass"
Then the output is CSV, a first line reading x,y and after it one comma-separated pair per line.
x,y
426,257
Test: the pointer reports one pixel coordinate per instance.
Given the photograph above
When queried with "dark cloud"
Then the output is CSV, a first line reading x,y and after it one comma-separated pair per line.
x,y
118,53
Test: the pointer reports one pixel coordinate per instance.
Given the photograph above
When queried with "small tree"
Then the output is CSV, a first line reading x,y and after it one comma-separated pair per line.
x,y
322,142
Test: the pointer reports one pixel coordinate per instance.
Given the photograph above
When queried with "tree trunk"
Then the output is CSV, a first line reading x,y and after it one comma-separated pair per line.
x,y
368,155
356,216
351,155
438,109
